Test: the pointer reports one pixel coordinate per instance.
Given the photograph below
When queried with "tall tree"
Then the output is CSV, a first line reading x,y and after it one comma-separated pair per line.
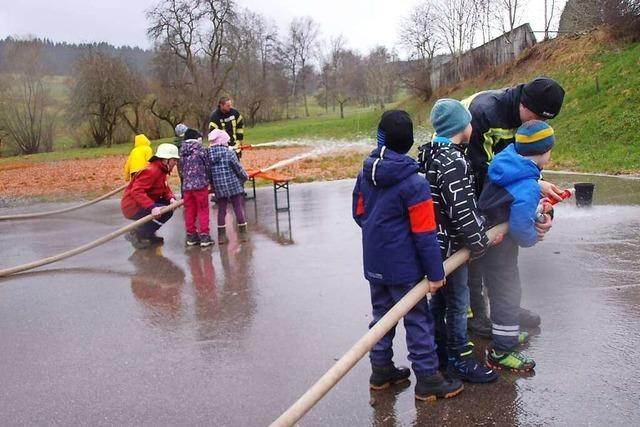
x,y
26,116
419,36
457,22
203,36
103,88
304,33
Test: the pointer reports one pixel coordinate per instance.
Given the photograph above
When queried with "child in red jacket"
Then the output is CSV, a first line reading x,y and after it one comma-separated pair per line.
x,y
147,193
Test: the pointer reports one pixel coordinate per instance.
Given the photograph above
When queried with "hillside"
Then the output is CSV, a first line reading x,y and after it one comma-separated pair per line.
x,y
597,129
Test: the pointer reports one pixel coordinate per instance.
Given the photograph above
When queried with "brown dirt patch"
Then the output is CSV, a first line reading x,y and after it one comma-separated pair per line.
x,y
85,178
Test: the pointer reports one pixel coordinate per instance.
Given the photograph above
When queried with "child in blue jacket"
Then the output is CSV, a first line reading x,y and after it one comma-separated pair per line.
x,y
392,204
512,195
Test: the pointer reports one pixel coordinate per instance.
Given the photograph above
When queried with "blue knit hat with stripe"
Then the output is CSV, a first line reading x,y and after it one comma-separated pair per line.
x,y
534,137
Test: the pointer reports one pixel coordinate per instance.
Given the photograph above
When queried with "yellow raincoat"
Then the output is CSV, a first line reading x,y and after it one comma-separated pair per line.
x,y
139,156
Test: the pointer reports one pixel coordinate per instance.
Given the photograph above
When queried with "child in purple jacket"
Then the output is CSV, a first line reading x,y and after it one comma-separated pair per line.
x,y
194,169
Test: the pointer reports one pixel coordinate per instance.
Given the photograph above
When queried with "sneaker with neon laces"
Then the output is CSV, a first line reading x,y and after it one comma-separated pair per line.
x,y
510,360
463,366
523,337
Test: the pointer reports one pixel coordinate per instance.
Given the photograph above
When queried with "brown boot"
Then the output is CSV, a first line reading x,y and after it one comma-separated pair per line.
x,y
222,235
243,234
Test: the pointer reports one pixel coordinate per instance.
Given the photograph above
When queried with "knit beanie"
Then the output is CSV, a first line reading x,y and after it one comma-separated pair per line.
x,y
395,131
543,96
192,134
534,137
449,117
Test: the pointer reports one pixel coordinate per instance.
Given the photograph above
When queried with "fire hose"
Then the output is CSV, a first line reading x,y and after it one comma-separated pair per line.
x,y
368,340
59,211
313,395
29,266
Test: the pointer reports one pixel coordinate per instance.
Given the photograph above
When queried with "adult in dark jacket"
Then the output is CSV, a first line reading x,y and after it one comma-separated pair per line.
x,y
495,117
147,193
228,119
393,206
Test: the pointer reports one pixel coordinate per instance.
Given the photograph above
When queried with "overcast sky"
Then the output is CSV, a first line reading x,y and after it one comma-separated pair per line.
x,y
364,23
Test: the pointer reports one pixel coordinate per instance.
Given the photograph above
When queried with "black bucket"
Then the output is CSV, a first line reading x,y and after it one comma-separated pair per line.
x,y
584,194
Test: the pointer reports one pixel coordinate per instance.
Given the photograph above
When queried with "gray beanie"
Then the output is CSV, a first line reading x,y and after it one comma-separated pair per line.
x,y
449,117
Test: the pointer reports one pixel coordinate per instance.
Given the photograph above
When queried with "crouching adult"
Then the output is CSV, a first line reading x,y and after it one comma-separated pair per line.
x,y
147,193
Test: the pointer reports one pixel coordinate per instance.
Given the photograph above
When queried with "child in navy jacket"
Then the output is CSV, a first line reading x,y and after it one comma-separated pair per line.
x,y
392,204
512,195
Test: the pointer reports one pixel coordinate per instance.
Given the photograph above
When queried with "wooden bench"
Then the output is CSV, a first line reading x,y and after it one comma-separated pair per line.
x,y
280,183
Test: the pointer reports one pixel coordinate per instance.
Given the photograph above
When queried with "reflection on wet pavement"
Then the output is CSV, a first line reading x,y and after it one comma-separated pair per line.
x,y
233,335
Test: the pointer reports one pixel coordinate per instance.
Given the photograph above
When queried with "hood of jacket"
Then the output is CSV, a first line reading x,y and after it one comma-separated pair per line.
x,y
385,168
141,140
509,167
189,147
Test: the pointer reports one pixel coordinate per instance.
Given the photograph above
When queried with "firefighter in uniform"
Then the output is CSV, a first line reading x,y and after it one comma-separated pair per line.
x,y
496,114
228,119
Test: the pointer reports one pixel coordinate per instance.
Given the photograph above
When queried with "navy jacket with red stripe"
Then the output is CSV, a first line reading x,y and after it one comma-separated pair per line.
x,y
392,204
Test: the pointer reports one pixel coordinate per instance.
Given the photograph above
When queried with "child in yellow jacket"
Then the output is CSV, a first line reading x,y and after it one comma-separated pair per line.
x,y
138,157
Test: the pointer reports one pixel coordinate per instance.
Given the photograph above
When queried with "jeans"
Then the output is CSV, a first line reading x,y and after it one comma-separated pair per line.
x,y
418,324
449,308
148,229
502,281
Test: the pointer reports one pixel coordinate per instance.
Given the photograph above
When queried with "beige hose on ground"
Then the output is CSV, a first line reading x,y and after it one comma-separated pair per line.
x,y
59,211
13,270
364,344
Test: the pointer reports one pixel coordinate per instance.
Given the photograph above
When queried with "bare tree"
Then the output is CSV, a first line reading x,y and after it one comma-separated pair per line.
x,y
103,88
508,13
26,116
457,22
304,33
202,35
250,81
288,51
419,36
378,77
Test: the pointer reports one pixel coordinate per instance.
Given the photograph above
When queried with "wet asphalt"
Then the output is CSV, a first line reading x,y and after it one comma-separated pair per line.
x,y
233,335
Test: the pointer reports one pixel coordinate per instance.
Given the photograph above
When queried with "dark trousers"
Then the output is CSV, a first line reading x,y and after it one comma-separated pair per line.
x,y
148,229
449,308
502,281
238,208
418,324
476,297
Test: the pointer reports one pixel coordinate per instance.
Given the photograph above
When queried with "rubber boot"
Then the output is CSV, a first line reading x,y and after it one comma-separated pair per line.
x,y
222,235
529,319
243,233
383,376
436,386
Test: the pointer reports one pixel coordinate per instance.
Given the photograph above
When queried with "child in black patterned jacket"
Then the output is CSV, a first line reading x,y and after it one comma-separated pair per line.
x,y
459,225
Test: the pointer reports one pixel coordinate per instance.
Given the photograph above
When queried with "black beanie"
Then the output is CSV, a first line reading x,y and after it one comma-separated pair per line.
x,y
543,96
395,131
192,134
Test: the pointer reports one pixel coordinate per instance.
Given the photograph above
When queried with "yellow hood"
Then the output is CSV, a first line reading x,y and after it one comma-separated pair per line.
x,y
141,140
